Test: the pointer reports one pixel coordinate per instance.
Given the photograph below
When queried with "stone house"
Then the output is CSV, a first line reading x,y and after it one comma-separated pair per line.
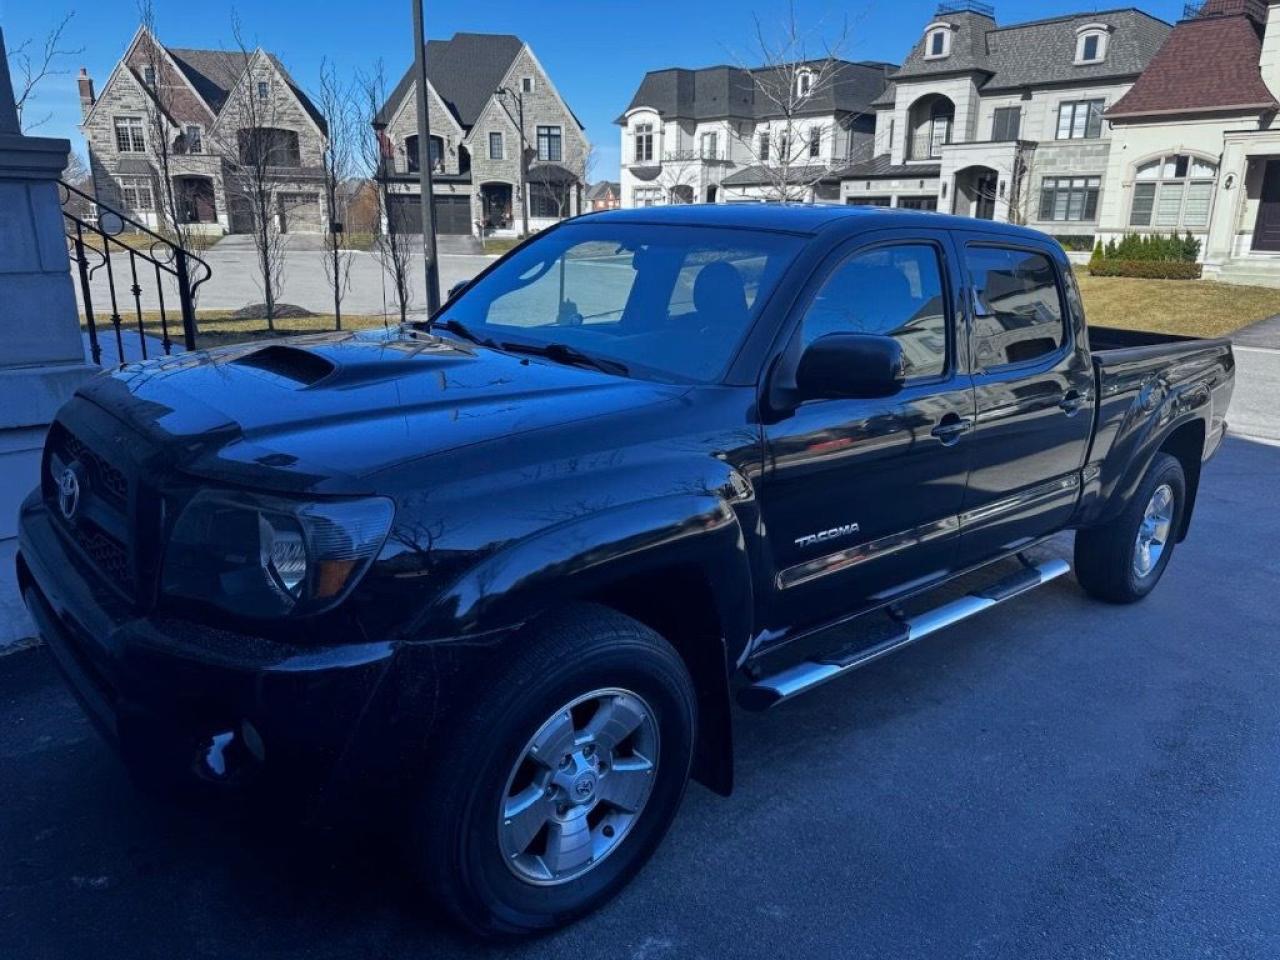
x,y
1006,122
209,116
482,87
716,134
1197,145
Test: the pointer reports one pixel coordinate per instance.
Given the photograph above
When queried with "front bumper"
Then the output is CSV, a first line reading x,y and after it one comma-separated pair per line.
x,y
178,698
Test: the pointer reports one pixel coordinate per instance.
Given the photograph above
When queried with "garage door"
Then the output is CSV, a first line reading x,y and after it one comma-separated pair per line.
x,y
301,213
453,214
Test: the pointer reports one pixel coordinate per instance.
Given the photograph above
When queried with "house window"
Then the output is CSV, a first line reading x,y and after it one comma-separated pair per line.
x,y
194,140
548,200
549,144
764,147
149,76
526,84
495,146
815,142
1007,125
709,146
804,83
784,147
1080,120
937,42
1091,44
413,157
647,196
136,194
1174,192
129,137
1069,198
262,90
644,142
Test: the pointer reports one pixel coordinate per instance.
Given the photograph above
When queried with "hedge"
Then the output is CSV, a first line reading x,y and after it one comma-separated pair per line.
x,y
1147,269
1082,243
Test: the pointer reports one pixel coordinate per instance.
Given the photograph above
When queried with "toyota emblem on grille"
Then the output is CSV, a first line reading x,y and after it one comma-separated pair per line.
x,y
69,493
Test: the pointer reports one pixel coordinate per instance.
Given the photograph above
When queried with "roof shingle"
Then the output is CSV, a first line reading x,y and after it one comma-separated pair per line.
x,y
465,71
1209,63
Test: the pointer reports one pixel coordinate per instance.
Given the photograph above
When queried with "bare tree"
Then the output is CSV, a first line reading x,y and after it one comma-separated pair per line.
x,y
1012,188
248,140
394,248
796,70
164,136
32,66
336,102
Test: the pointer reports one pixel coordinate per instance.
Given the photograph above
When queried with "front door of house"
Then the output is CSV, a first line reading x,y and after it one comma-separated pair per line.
x,y
984,207
1266,233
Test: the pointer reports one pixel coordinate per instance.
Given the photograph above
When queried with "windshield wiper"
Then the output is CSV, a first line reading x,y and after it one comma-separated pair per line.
x,y
563,353
460,329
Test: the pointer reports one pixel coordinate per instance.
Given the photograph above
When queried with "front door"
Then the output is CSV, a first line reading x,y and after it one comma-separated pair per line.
x,y
1266,234
860,498
984,206
1034,385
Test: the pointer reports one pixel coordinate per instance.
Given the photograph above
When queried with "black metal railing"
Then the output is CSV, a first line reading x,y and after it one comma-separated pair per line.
x,y
1257,9
97,249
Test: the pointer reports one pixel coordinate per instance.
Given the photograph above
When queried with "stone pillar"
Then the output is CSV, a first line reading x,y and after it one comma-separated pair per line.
x,y
41,350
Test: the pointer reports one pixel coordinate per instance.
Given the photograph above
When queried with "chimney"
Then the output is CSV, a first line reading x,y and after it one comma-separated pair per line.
x,y
87,98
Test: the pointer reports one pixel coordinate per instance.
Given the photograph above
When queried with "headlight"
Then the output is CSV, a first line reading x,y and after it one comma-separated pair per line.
x,y
261,556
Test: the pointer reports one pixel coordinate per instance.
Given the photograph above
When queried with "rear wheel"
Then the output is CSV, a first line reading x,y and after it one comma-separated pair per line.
x,y
556,789
1122,561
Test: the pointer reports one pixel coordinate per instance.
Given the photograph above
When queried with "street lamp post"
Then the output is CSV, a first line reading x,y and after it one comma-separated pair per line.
x,y
524,154
424,164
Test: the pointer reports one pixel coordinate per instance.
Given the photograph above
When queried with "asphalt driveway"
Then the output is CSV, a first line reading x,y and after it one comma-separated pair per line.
x,y
1059,779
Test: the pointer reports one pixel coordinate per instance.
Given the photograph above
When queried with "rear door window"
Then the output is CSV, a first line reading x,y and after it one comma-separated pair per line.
x,y
1018,314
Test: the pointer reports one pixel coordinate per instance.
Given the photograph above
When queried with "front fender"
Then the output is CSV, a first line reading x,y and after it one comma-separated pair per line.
x,y
585,555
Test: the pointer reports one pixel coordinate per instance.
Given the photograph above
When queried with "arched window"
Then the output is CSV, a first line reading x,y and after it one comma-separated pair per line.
x,y
1091,43
1173,193
932,119
937,41
804,83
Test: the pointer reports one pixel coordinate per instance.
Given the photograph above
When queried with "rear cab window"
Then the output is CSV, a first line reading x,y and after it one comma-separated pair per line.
x,y
1017,305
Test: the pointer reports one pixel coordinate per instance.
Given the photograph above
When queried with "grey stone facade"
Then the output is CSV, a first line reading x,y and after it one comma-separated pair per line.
x,y
198,100
465,121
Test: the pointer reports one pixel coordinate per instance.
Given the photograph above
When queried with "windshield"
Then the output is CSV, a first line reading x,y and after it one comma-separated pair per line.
x,y
657,301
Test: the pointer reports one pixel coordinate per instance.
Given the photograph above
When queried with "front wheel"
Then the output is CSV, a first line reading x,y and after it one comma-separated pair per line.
x,y
562,781
1122,561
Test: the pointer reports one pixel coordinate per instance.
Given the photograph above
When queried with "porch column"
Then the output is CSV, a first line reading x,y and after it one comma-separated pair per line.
x,y
1228,204
41,351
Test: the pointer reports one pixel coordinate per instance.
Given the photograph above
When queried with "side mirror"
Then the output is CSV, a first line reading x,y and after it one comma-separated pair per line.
x,y
851,366
456,289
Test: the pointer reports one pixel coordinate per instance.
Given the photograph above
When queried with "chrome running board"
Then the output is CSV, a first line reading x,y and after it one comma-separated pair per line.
x,y
803,677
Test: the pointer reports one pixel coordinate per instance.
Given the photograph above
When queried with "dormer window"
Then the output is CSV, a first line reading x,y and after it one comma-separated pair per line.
x,y
149,76
937,41
804,83
1091,43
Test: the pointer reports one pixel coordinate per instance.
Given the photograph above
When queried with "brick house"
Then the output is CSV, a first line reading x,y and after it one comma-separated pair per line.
x,y
217,111
481,87
1006,122
714,134
605,195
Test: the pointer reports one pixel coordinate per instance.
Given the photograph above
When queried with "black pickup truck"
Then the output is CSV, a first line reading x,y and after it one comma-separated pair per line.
x,y
504,574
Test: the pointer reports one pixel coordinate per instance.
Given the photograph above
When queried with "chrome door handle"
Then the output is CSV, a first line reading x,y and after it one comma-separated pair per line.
x,y
951,430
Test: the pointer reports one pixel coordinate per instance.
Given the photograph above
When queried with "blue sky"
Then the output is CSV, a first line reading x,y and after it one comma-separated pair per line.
x,y
595,50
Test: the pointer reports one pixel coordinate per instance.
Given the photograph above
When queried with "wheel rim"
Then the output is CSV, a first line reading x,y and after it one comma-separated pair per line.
x,y
1153,532
579,786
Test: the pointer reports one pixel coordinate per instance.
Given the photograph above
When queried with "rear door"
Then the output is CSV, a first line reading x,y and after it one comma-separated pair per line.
x,y
1034,388
861,498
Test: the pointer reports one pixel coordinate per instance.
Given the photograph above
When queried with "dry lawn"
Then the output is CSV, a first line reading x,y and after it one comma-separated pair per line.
x,y
1200,308
218,329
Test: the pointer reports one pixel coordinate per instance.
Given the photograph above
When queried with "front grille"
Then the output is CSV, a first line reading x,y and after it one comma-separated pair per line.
x,y
109,482
106,553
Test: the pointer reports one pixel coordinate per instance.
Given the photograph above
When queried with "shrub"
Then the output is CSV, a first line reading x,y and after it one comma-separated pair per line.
x,y
1147,269
1155,248
1098,255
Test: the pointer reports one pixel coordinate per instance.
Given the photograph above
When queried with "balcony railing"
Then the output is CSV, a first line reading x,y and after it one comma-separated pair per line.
x,y
695,156
1257,9
966,6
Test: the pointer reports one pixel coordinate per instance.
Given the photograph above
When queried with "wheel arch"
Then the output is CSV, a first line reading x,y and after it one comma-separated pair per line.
x,y
1186,445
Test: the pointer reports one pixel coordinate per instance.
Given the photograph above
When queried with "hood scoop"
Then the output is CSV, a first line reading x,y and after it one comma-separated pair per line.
x,y
301,368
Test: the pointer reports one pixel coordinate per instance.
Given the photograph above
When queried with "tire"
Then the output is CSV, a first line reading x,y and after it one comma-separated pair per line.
x,y
489,761
1110,563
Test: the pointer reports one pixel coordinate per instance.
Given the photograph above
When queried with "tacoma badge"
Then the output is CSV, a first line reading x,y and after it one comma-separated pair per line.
x,y
825,537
